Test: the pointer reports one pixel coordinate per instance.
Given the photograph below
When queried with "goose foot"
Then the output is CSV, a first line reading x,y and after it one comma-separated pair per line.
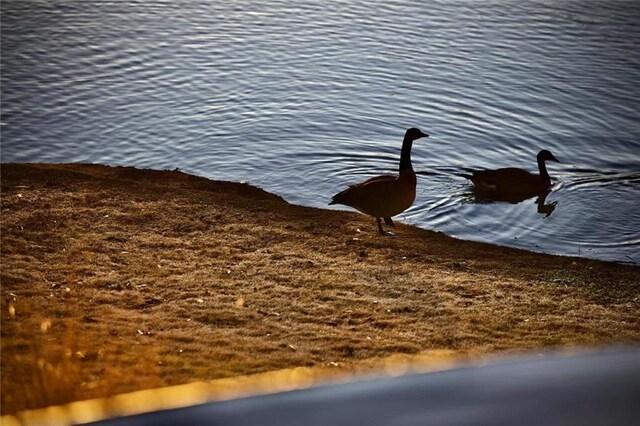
x,y
382,231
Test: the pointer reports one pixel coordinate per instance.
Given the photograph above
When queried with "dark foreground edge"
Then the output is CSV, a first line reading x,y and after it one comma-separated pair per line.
x,y
589,389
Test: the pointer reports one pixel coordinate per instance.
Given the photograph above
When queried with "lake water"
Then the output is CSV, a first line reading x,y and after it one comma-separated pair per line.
x,y
305,97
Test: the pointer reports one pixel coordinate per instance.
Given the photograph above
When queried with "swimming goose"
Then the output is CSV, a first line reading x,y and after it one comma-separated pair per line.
x,y
511,181
388,195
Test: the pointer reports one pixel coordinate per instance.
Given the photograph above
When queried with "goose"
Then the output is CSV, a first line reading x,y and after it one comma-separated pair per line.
x,y
387,195
512,181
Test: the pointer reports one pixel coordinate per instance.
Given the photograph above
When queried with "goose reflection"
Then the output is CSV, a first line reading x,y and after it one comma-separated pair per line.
x,y
543,208
541,200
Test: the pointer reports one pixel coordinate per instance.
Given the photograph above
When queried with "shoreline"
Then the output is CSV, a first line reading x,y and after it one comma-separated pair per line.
x,y
117,279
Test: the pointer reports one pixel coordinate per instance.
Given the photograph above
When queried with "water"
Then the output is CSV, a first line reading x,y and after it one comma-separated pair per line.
x,y
303,98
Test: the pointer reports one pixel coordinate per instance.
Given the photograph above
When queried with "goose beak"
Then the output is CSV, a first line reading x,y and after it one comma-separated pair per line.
x,y
423,135
553,158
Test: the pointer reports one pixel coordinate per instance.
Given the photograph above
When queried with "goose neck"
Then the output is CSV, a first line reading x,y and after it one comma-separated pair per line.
x,y
405,156
542,167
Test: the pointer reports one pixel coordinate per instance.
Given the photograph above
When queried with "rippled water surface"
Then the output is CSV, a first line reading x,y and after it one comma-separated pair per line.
x,y
305,97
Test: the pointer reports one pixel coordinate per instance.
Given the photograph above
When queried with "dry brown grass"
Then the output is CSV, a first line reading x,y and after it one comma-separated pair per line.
x,y
117,279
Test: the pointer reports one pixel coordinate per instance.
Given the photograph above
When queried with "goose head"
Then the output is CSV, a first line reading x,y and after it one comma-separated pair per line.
x,y
545,155
413,134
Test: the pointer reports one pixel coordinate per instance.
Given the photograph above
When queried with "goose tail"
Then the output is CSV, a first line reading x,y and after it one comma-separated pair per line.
x,y
335,200
338,198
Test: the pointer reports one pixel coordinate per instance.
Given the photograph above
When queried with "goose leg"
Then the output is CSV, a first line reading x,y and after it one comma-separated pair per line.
x,y
388,221
382,231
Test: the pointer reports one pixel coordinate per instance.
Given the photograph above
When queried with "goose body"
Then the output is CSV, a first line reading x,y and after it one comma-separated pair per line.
x,y
512,181
387,195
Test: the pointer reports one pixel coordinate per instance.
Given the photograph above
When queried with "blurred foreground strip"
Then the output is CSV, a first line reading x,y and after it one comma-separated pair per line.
x,y
189,394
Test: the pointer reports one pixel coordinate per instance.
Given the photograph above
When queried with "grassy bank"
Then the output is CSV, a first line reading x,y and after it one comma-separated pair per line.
x,y
118,279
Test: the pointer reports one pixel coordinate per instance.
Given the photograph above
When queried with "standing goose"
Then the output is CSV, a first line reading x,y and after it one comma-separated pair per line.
x,y
387,195
512,181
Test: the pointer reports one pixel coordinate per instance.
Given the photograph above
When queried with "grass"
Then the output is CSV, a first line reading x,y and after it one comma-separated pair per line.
x,y
117,279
